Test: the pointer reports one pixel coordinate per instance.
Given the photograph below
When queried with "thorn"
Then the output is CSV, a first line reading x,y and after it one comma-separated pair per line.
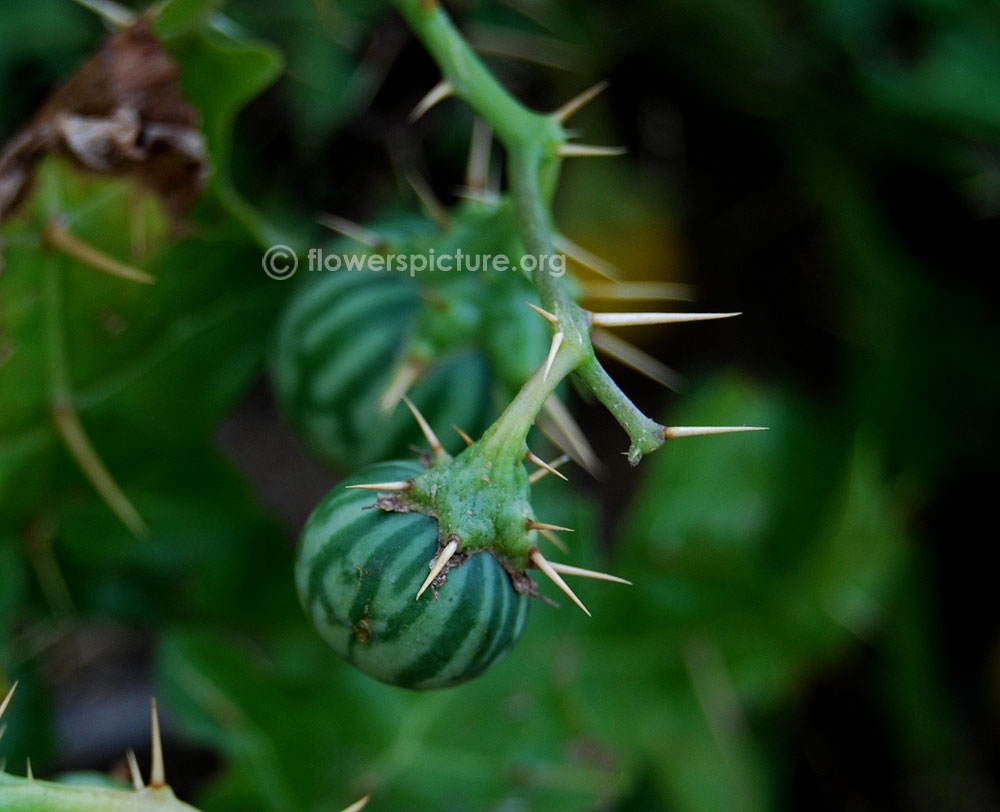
x,y
399,485
157,773
638,291
353,231
113,14
6,700
633,357
588,151
133,769
574,104
477,170
566,569
429,434
557,341
80,448
544,566
441,91
58,236
673,432
405,377
577,440
555,540
546,468
434,208
581,255
531,524
357,806
630,319
28,771
551,318
463,435
488,197
439,564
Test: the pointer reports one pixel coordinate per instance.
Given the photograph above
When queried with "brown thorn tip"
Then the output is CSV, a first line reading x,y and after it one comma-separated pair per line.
x,y
439,564
567,569
425,427
630,319
398,485
557,341
544,566
6,700
533,525
673,432
357,806
157,773
534,458
463,435
578,101
441,91
551,318
588,151
133,769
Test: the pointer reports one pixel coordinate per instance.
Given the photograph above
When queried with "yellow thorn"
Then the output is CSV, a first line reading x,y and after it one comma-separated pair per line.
x,y
579,445
157,773
477,170
673,432
405,377
557,341
630,319
588,151
632,356
574,104
6,700
463,435
439,564
133,770
544,566
579,254
441,91
533,525
357,806
398,485
567,569
638,291
546,467
428,432
353,231
555,540
78,444
551,318
57,235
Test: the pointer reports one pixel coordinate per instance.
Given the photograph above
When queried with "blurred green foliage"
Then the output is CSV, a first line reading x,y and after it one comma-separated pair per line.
x,y
764,565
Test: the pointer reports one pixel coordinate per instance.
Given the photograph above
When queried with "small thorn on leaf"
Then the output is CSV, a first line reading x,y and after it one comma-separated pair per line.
x,y
439,564
577,102
397,485
133,770
551,318
531,524
357,806
557,341
436,448
567,569
441,91
157,772
630,319
546,467
588,151
463,435
673,432
6,700
353,231
539,560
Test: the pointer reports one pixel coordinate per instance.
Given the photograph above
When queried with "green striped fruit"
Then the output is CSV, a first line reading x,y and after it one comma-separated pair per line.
x,y
358,572
337,345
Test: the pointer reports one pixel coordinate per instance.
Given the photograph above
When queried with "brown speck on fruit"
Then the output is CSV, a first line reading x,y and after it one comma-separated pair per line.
x,y
362,629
